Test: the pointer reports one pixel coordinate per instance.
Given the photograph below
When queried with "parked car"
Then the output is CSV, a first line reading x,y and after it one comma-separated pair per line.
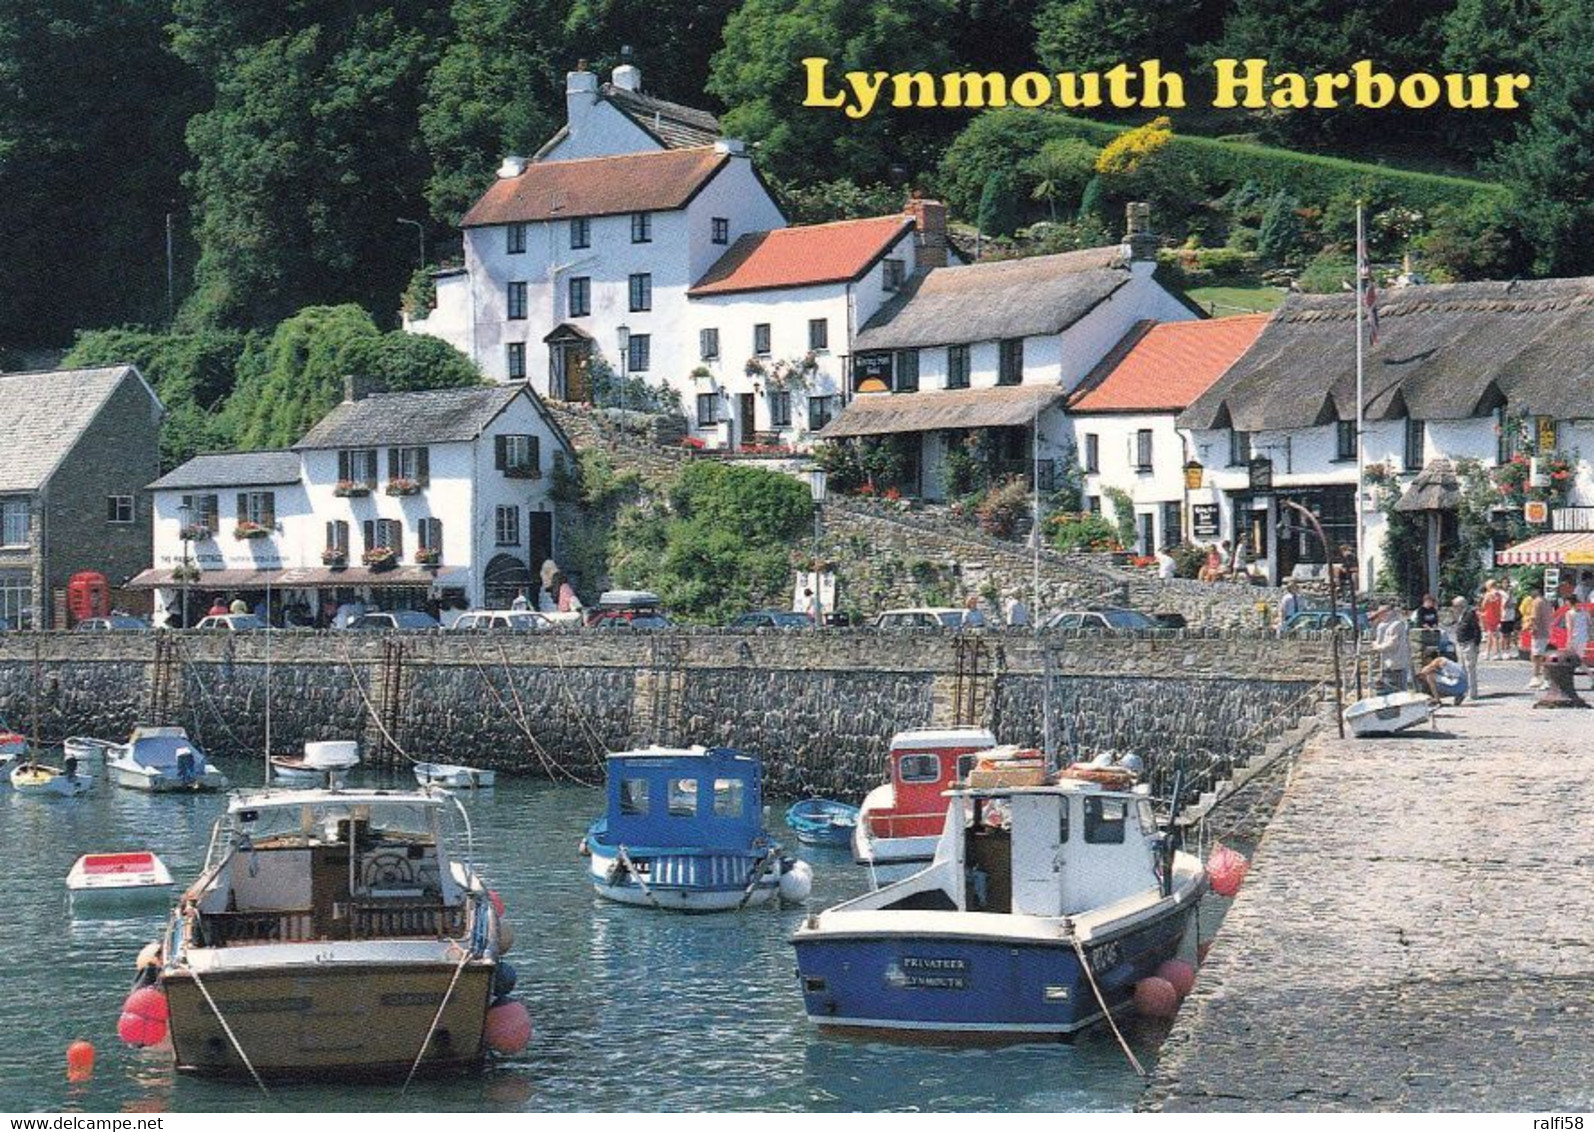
x,y
1170,620
628,609
116,623
1102,619
382,620
1320,620
516,620
930,618
772,619
231,622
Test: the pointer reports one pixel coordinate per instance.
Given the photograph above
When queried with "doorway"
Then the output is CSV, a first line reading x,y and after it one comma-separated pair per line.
x,y
746,407
539,531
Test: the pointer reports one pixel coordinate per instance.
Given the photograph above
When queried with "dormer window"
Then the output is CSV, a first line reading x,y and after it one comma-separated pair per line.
x,y
894,272
515,239
641,227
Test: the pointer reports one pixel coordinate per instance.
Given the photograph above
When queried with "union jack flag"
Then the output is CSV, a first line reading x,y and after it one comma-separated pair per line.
x,y
1369,286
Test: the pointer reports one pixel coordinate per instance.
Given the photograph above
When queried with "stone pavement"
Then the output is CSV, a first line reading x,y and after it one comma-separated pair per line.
x,y
1417,929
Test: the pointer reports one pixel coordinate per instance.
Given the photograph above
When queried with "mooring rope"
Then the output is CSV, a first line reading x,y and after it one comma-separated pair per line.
x,y
204,692
519,722
226,1029
755,874
624,859
370,708
595,741
464,958
1090,977
525,724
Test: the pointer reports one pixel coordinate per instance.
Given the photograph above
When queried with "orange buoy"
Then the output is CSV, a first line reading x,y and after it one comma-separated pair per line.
x,y
1226,870
80,1061
144,1015
508,1027
1180,974
1156,998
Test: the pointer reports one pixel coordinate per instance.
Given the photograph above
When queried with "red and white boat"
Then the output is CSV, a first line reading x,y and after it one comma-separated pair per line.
x,y
114,878
900,822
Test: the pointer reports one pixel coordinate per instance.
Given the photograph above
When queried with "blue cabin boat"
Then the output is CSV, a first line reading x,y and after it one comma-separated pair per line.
x,y
821,821
1033,880
685,831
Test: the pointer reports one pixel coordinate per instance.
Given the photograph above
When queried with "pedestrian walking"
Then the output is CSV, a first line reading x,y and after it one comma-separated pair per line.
x,y
1509,622
1577,631
1469,638
1015,612
1392,644
1288,607
1489,611
1540,619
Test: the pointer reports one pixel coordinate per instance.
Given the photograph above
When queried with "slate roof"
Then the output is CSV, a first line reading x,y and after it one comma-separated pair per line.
x,y
1014,298
877,414
802,256
233,469
45,412
1445,352
659,181
434,416
1162,367
670,124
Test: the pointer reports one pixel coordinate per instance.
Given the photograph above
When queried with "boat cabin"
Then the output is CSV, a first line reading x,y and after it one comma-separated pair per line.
x,y
693,797
1057,850
923,765
167,749
330,865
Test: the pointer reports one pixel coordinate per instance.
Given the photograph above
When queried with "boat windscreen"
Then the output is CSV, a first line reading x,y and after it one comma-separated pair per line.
x,y
325,821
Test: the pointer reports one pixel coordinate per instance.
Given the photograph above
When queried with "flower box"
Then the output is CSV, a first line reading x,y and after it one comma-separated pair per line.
x,y
696,442
334,558
380,558
403,487
428,556
248,529
195,532
351,489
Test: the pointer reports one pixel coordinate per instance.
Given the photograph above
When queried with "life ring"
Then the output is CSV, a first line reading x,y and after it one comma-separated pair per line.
x,y
1114,777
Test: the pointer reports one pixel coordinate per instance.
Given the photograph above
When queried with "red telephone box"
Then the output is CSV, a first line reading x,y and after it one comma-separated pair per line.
x,y
88,595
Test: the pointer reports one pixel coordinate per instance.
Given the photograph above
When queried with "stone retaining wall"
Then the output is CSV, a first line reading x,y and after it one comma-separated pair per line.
x,y
820,707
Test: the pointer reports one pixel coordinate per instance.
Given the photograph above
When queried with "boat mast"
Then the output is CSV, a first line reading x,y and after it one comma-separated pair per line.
x,y
33,754
268,681
1361,446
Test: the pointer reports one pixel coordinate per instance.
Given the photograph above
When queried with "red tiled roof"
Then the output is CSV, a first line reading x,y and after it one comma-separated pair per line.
x,y
598,186
1166,366
798,257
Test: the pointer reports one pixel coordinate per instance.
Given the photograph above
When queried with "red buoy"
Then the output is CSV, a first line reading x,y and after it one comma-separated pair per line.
x,y
1226,870
508,1027
1156,998
79,1061
143,1020
498,901
1180,974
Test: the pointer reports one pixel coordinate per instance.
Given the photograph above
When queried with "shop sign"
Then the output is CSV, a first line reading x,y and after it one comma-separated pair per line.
x,y
1204,520
1192,475
1552,578
871,373
1545,426
1261,469
1536,511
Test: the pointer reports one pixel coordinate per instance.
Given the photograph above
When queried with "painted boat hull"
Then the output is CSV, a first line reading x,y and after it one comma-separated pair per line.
x,y
136,776
116,880
454,777
84,749
51,784
688,882
1385,715
818,821
347,1022
961,986
293,773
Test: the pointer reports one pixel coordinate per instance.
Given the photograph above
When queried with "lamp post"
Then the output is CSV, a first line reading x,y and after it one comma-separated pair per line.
x,y
420,232
185,516
816,488
624,332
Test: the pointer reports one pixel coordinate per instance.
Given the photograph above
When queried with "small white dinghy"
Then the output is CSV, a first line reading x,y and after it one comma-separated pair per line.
x,y
1385,715
49,781
111,879
454,777
325,763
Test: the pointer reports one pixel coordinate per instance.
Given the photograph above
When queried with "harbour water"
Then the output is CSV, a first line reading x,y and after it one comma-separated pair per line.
x,y
633,1009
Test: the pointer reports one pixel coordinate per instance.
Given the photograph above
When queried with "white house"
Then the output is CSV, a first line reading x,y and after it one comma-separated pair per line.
x,y
639,236
1123,416
998,346
400,498
1456,372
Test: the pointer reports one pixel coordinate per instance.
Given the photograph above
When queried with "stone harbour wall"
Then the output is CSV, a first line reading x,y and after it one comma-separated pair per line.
x,y
819,707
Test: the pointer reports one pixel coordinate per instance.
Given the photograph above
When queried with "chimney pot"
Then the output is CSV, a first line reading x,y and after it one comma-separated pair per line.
x,y
513,166
627,77
929,222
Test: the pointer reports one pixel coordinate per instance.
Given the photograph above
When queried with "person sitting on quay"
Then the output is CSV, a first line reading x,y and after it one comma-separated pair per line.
x,y
1444,678
1427,615
1392,643
1288,607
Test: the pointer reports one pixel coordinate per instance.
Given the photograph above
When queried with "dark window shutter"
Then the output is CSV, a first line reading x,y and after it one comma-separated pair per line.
x,y
268,508
243,506
500,452
368,534
344,471
393,471
423,465
332,535
536,454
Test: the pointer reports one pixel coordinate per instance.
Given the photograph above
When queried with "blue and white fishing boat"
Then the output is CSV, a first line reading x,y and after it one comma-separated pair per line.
x,y
685,831
162,760
821,821
1044,904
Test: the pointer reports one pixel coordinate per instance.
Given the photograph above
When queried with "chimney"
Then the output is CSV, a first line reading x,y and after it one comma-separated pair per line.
x,y
357,387
733,146
929,220
581,95
627,77
513,166
1138,238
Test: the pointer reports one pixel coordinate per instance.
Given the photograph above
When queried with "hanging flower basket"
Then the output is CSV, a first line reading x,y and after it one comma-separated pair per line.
x,y
380,558
337,559
189,573
195,532
403,487
754,368
248,529
351,489
428,556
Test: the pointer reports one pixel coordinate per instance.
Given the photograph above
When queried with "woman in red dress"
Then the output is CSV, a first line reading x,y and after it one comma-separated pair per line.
x,y
1489,611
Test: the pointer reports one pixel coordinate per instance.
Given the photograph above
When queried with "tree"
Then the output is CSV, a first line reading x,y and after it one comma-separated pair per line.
x,y
297,377
758,77
1279,238
1489,37
998,213
309,153
1096,35
997,139
1062,169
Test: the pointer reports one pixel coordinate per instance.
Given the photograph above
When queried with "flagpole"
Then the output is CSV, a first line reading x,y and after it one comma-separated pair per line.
x,y
1361,447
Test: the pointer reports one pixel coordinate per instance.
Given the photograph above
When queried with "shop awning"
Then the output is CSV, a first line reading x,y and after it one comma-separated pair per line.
x,y
208,579
1568,548
879,414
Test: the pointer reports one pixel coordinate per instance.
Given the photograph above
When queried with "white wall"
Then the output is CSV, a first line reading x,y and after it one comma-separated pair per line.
x,y
1116,435
285,548
597,129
